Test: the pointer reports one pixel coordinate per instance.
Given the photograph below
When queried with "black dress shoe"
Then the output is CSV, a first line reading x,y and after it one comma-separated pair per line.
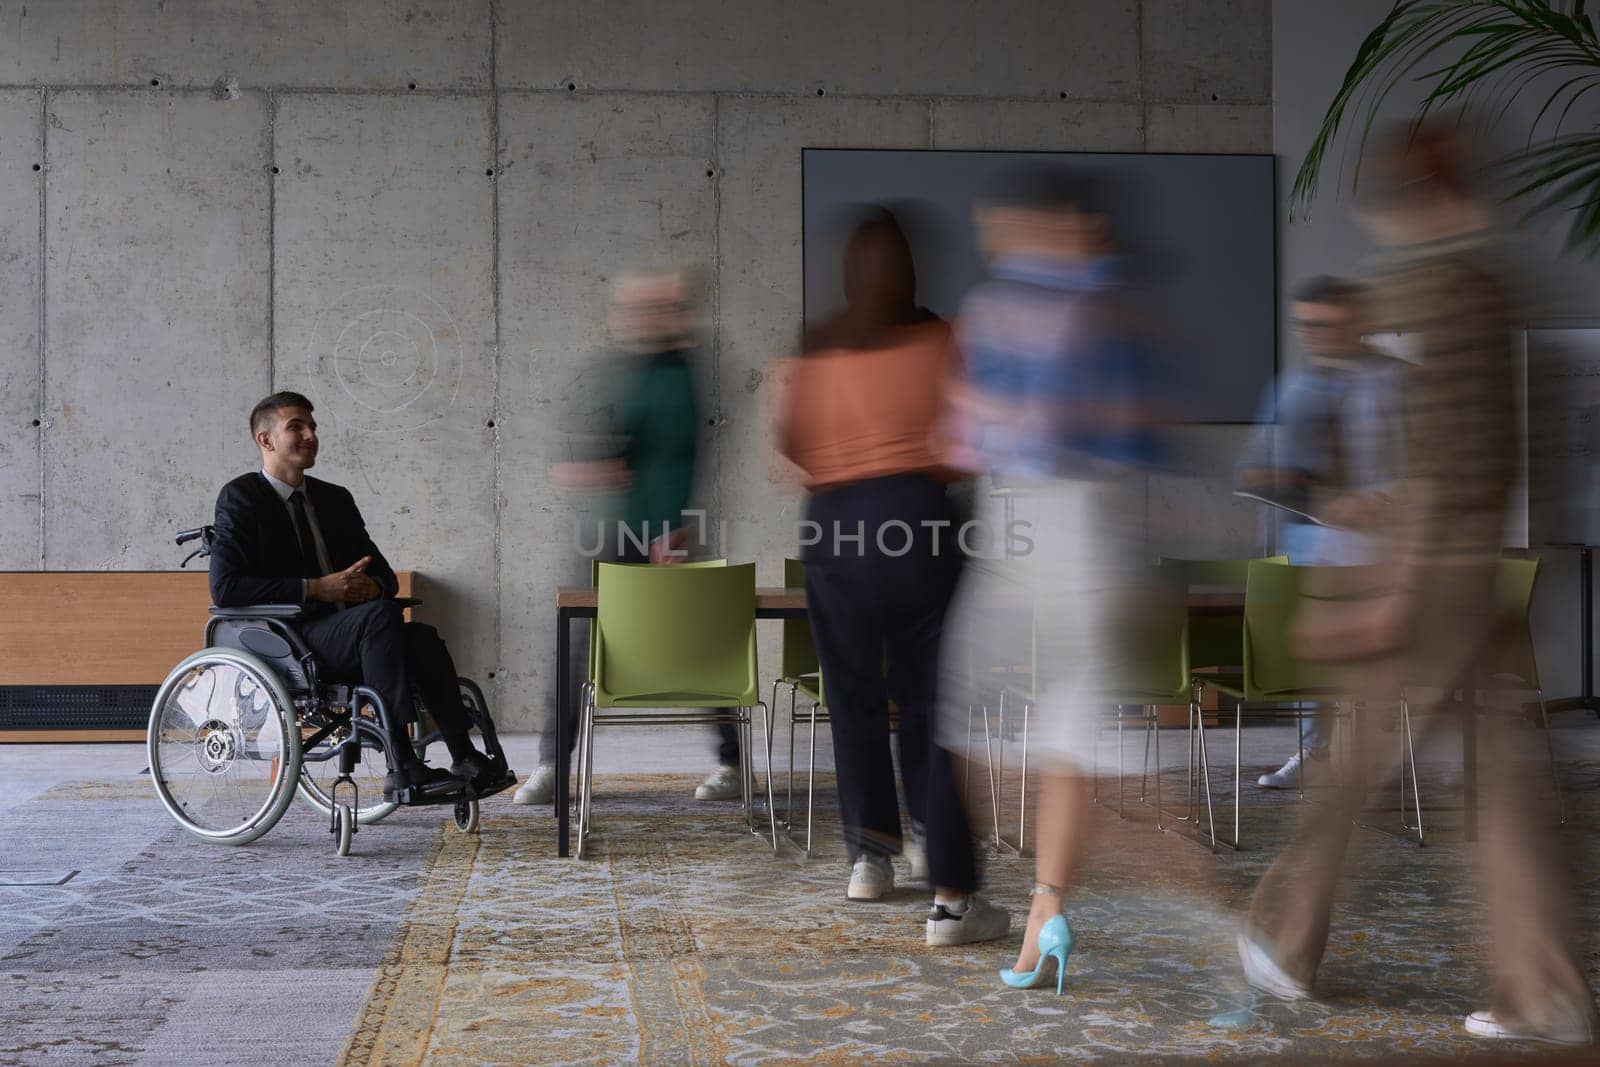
x,y
413,774
474,766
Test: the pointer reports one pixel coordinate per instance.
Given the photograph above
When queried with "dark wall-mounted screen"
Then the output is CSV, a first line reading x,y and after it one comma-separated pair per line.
x,y
1196,234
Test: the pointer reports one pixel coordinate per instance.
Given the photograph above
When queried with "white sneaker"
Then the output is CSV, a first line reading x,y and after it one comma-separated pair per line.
x,y
872,878
1263,972
723,784
978,921
540,787
1288,776
1484,1024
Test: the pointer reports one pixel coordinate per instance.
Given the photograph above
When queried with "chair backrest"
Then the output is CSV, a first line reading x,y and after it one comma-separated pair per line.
x,y
1152,657
1512,656
1274,592
594,579
1215,640
799,655
1514,587
676,636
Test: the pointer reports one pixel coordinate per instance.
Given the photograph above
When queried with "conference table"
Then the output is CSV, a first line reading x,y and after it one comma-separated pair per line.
x,y
582,602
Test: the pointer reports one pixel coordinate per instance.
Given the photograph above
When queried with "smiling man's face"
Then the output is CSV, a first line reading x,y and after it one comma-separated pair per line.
x,y
290,439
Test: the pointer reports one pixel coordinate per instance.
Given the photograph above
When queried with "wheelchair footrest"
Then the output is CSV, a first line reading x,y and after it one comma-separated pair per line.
x,y
422,796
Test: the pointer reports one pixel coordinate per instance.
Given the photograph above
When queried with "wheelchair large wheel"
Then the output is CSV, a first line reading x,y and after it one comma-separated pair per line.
x,y
320,766
224,746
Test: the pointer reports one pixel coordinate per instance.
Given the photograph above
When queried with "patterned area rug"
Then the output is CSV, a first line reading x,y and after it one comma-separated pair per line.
x,y
684,940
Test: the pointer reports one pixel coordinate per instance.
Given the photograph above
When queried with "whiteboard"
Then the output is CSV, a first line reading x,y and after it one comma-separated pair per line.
x,y
1562,434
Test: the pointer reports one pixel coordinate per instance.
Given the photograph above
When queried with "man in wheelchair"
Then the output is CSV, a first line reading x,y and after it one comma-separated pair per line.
x,y
282,537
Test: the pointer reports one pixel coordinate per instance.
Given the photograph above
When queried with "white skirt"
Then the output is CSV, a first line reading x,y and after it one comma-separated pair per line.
x,y
1045,622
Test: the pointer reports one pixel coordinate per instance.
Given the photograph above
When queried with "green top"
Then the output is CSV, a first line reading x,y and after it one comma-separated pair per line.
x,y
657,422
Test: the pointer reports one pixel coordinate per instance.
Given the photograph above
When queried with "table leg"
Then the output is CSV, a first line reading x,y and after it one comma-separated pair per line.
x,y
563,745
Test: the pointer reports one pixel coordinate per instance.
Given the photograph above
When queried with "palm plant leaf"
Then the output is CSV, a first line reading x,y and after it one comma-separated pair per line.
x,y
1485,54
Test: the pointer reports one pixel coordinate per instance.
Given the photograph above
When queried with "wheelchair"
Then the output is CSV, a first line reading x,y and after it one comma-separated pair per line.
x,y
242,726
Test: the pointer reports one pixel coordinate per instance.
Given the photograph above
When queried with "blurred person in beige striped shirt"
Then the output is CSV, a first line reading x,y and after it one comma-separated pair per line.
x,y
1435,613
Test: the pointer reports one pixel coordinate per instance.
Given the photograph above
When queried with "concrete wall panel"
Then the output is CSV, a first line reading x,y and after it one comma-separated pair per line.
x,y
355,44
157,252
1195,514
384,308
21,128
1209,128
1032,48
1207,51
1062,126
592,186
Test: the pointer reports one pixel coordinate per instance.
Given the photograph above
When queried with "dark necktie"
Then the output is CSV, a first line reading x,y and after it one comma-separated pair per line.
x,y
302,529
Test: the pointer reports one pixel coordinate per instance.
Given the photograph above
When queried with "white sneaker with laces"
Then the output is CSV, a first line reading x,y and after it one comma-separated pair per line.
x,y
1263,972
872,878
540,788
978,921
1484,1024
723,784
1288,776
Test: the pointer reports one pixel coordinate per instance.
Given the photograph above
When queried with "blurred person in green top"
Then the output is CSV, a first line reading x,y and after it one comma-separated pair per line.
x,y
648,453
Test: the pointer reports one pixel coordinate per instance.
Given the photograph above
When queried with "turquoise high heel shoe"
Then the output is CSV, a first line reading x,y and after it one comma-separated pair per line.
x,y
1055,942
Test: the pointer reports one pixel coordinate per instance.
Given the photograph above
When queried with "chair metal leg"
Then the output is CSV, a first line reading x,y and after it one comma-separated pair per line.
x,y
994,788
1119,763
811,780
1411,761
1022,805
788,802
772,807
1238,771
1550,748
1300,744
586,782
1144,765
1000,772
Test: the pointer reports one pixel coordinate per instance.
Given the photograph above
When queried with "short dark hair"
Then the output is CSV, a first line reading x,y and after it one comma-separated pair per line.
x,y
1326,289
272,405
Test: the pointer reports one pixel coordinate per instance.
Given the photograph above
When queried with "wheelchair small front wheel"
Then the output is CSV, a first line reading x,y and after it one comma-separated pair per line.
x,y
224,746
319,769
467,816
344,828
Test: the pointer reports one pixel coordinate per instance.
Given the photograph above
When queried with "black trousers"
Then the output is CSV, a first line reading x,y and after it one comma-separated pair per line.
x,y
877,609
373,642
578,667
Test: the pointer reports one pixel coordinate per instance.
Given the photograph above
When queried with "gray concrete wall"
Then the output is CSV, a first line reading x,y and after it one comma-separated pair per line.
x,y
412,213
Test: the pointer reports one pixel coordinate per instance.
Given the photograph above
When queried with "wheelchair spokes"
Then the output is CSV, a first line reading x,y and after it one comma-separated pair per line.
x,y
221,748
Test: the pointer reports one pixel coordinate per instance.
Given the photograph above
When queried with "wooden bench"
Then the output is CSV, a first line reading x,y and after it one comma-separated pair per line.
x,y
86,639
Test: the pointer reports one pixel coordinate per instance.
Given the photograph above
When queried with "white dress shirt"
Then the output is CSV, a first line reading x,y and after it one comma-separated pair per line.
x,y
285,491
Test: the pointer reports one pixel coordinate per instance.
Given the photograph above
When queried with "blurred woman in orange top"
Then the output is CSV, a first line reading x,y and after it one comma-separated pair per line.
x,y
857,415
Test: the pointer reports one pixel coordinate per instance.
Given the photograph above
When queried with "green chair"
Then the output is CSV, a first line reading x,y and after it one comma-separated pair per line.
x,y
681,639
1157,632
1272,673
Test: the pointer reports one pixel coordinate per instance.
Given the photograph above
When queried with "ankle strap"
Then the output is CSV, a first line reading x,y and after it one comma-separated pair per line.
x,y
1041,889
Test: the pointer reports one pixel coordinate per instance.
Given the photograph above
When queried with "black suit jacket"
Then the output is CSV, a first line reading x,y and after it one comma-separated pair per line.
x,y
255,555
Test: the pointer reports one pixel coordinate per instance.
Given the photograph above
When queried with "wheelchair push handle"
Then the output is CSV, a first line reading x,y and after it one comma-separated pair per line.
x,y
204,534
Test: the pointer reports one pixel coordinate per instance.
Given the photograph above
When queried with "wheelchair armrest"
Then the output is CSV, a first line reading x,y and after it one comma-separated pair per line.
x,y
261,611
408,601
